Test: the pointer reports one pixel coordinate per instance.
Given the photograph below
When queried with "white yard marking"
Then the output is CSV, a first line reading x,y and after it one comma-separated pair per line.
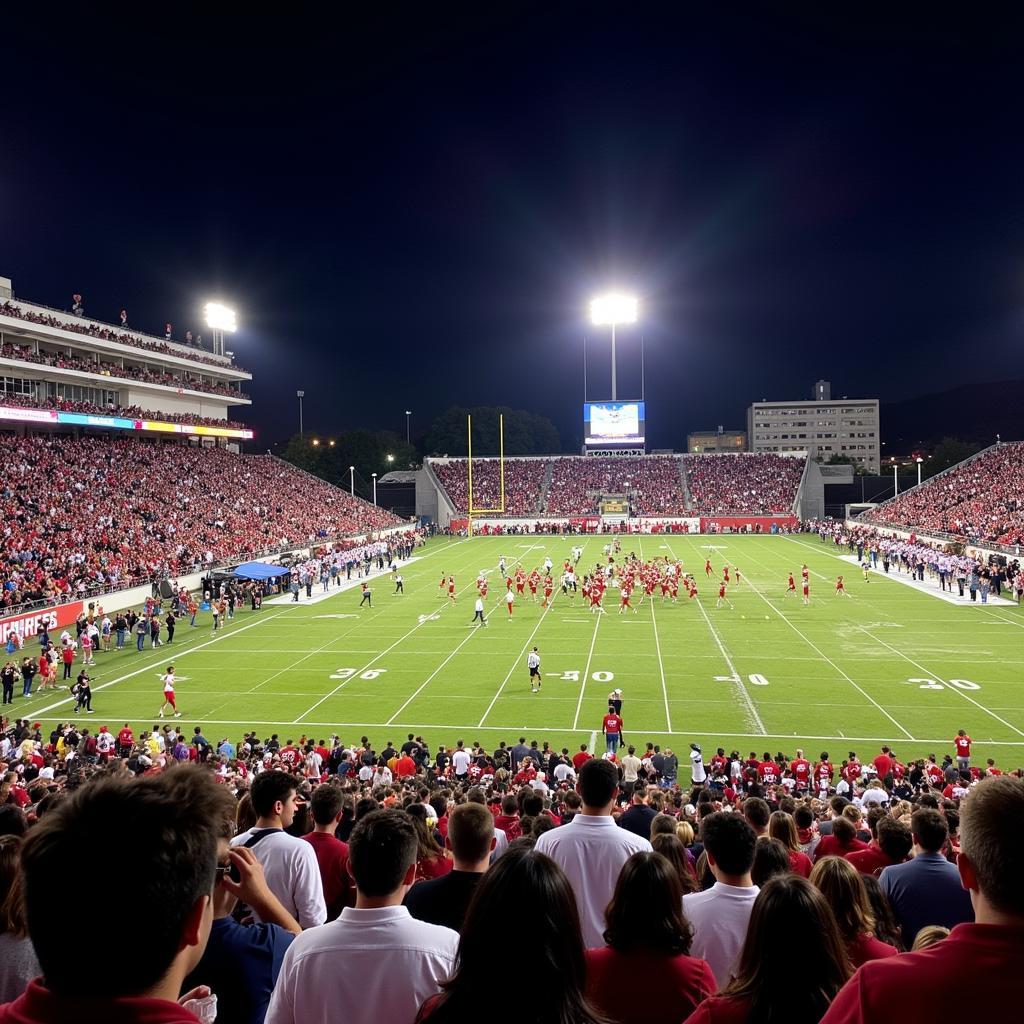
x,y
586,672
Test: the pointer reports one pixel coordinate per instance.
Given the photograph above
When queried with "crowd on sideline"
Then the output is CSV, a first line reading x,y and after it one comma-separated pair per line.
x,y
125,411
117,513
85,364
122,337
288,880
939,563
980,500
752,484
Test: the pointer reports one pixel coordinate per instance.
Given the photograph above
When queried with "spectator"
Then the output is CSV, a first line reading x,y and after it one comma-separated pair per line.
x,y
926,890
758,813
591,849
433,861
375,957
924,986
720,915
928,936
771,858
524,885
842,841
647,936
290,865
672,848
843,888
241,964
781,826
331,853
471,839
638,817
764,988
18,963
887,928
892,844
142,982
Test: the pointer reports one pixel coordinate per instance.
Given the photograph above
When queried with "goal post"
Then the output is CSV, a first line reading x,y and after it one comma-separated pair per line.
x,y
473,510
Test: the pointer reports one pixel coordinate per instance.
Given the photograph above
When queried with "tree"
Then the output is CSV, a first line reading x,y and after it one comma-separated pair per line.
x,y
366,450
526,433
948,452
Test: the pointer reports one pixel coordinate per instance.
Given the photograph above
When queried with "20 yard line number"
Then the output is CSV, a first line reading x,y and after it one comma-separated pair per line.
x,y
348,673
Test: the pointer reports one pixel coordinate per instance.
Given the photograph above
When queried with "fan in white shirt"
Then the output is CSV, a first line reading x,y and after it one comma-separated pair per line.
x,y
460,762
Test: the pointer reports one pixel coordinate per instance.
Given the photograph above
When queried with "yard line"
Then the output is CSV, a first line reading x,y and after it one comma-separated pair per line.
x,y
422,685
814,647
586,671
753,717
163,659
657,644
584,732
376,657
938,678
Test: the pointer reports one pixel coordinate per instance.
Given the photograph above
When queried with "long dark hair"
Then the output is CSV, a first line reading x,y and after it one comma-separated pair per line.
x,y
789,905
646,910
427,844
886,927
672,848
523,885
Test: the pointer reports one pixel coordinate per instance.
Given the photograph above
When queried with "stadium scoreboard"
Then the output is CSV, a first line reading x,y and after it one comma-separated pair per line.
x,y
613,423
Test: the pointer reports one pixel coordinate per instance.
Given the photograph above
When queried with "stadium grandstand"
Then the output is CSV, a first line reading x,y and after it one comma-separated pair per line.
x,y
980,500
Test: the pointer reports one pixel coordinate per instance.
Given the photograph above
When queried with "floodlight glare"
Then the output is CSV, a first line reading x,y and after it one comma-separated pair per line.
x,y
220,318
614,308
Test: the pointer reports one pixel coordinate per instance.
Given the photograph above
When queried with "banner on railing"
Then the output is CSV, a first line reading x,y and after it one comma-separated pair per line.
x,y
28,625
759,524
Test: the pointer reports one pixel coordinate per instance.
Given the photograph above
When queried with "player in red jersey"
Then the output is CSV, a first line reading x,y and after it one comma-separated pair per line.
x,y
533,580
508,582
451,589
841,587
805,573
596,591
483,589
548,587
768,771
791,586
736,572
801,769
807,591
625,593
442,587
851,771
707,568
725,573
962,742
722,597
824,772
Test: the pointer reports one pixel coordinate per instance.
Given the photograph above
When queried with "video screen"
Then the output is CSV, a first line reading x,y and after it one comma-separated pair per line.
x,y
613,423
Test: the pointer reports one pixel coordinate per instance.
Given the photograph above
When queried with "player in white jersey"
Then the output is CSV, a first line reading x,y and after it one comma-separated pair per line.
x,y
533,664
547,564
168,681
501,567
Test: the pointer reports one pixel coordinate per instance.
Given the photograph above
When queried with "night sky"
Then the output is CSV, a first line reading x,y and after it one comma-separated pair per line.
x,y
413,212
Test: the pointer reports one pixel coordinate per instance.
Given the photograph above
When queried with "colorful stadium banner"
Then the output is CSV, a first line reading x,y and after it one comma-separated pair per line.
x,y
80,419
761,524
27,626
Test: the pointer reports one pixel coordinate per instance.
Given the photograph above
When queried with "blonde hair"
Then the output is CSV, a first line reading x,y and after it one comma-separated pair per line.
x,y
684,830
928,936
841,885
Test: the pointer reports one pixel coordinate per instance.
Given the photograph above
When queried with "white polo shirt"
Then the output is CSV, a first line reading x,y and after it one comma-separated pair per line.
x,y
292,873
376,963
460,762
591,850
720,916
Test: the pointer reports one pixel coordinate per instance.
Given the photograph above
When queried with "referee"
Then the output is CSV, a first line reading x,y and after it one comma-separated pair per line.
x,y
533,664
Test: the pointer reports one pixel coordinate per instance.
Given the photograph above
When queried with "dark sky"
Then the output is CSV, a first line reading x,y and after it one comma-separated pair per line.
x,y
413,212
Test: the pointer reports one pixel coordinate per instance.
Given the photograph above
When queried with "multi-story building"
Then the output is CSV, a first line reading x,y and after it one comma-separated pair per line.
x,y
703,441
68,369
822,427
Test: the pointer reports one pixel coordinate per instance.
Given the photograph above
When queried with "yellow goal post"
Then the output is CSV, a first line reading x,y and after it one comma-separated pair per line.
x,y
473,510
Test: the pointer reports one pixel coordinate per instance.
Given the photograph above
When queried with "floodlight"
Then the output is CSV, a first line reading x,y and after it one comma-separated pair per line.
x,y
614,308
220,318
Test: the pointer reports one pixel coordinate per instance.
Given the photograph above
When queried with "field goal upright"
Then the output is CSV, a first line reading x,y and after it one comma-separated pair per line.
x,y
473,510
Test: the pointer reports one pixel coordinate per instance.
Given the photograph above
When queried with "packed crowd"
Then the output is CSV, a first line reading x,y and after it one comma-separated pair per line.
x,y
62,360
523,481
652,483
981,500
131,412
761,484
116,513
108,333
944,564
307,876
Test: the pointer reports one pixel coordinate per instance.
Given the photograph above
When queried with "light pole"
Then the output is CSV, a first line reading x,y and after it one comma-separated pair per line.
x,y
408,413
301,395
374,488
919,461
613,309
895,479
390,459
220,318
352,480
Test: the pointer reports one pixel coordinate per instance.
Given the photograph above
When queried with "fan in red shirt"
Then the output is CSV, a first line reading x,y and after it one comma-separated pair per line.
x,y
125,740
892,844
405,767
801,769
768,771
580,758
331,852
884,763
843,840
962,742
851,770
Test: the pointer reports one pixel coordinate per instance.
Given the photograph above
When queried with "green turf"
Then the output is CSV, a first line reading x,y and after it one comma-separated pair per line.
x,y
840,674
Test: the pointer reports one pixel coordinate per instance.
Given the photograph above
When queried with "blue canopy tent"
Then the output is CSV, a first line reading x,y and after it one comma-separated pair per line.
x,y
260,571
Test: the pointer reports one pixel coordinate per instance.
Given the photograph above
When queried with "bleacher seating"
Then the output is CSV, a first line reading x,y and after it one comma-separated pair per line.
x,y
746,484
981,500
652,483
523,479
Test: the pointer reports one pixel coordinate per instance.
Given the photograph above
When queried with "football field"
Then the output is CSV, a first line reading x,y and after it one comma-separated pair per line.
x,y
888,665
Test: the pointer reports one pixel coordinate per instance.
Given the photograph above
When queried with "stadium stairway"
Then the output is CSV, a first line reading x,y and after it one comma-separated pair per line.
x,y
684,484
545,486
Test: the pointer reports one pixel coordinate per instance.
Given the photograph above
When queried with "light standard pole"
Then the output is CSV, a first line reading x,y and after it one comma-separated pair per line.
x,y
611,310
919,461
352,480
220,318
408,413
301,395
895,479
375,488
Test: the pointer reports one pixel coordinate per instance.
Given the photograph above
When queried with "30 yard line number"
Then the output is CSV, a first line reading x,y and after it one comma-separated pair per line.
x,y
932,684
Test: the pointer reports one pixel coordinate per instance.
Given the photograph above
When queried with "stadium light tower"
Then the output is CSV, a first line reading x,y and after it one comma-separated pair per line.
x,y
352,480
219,318
375,488
408,413
300,395
919,461
611,310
